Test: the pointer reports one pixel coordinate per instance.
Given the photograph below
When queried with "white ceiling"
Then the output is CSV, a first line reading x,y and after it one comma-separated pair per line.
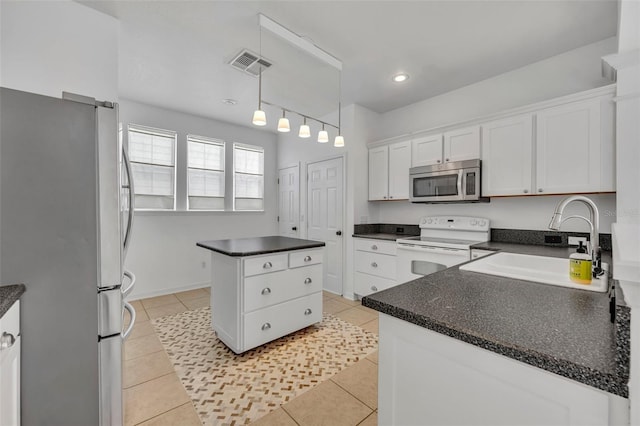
x,y
175,53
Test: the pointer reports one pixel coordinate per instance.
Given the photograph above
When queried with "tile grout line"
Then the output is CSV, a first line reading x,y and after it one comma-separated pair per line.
x,y
157,377
358,399
162,414
287,413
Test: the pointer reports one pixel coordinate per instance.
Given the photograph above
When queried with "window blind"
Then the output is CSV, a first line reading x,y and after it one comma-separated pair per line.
x,y
205,169
248,176
152,155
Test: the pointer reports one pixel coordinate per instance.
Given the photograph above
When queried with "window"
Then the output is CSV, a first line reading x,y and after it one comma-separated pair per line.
x,y
248,177
205,170
152,153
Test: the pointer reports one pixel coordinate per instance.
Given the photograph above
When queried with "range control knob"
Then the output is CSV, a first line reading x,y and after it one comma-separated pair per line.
x,y
423,221
474,222
482,223
429,221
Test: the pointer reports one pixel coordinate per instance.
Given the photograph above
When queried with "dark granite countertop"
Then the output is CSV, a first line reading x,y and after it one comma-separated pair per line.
x,y
381,236
258,245
561,330
8,295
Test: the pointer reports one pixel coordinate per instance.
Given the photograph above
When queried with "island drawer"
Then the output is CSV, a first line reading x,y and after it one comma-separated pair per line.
x,y
375,246
270,323
381,265
265,264
269,289
305,257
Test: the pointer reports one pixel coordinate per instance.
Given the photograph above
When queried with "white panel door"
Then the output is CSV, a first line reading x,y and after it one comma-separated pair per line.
x,y
426,150
324,216
379,173
568,148
288,201
399,164
462,144
507,155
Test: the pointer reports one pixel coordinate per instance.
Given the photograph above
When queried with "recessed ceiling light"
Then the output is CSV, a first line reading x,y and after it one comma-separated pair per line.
x,y
399,78
229,101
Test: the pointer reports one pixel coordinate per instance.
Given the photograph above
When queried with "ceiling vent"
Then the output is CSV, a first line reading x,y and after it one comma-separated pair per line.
x,y
249,62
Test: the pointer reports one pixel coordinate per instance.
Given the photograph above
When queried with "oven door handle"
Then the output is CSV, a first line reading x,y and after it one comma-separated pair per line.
x,y
428,249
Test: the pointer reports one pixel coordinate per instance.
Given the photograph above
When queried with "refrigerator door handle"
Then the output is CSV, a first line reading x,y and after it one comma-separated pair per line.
x,y
132,279
127,235
132,312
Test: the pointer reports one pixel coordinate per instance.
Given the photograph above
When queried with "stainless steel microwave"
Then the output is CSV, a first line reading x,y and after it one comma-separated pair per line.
x,y
458,181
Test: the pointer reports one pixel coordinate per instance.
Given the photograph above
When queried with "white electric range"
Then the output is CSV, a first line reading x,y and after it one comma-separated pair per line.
x,y
444,241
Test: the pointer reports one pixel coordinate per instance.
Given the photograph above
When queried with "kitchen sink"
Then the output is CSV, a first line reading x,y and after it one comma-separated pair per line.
x,y
540,269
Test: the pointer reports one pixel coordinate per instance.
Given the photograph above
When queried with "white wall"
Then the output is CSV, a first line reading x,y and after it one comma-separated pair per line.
x,y
163,252
53,46
571,72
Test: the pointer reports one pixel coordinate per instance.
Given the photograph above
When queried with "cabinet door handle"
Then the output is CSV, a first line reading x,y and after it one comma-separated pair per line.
x,y
266,290
338,233
267,265
374,264
526,191
308,311
539,189
266,326
374,288
307,281
446,159
385,197
390,196
439,161
7,340
307,258
374,247
295,228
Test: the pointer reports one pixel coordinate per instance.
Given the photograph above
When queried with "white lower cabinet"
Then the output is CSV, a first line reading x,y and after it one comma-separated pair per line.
x,y
257,299
10,367
431,379
375,265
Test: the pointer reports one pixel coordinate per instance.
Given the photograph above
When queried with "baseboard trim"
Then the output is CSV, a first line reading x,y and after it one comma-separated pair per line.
x,y
165,291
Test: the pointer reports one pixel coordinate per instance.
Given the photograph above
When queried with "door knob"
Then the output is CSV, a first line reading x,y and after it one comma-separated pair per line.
x,y
338,233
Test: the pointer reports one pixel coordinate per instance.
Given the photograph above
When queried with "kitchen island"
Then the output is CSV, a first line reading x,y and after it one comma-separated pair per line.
x,y
264,288
459,347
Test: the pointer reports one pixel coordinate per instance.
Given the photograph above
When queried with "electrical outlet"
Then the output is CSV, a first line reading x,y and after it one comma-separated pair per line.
x,y
575,241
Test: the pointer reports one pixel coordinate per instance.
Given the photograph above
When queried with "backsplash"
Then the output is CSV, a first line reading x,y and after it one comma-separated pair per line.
x,y
386,228
517,236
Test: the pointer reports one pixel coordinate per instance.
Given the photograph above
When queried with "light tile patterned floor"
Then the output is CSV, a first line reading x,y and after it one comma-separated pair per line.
x,y
154,395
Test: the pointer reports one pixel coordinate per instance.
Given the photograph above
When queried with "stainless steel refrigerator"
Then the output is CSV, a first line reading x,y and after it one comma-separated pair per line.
x,y
65,224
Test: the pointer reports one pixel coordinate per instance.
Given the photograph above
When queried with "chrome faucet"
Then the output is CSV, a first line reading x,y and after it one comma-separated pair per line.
x,y
593,221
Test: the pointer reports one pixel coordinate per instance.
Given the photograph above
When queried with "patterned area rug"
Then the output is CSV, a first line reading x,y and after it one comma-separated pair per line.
x,y
237,389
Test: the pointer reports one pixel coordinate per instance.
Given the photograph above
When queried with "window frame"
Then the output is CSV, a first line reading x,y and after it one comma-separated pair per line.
x,y
211,141
155,131
255,148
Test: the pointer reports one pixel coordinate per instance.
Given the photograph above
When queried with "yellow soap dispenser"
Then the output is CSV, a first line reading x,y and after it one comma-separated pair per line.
x,y
580,266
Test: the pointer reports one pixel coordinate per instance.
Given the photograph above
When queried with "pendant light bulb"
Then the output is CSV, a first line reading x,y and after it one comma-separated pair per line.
x,y
305,131
283,123
338,142
259,118
323,136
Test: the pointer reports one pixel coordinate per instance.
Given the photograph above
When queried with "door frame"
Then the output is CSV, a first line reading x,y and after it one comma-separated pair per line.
x,y
281,167
304,205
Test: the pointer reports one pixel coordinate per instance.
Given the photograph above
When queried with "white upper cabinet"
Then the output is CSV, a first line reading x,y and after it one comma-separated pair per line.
x,y
389,171
568,148
399,164
507,154
379,173
462,144
426,150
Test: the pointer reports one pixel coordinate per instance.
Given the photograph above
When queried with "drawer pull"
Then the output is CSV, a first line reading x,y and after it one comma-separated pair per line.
x,y
374,264
374,288
266,326
7,340
267,265
266,290
374,247
307,258
307,281
308,311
